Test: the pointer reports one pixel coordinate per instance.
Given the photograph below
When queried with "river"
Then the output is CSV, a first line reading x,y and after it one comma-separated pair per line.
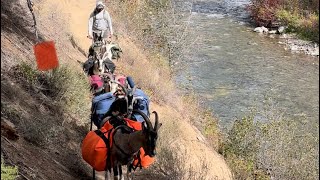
x,y
234,70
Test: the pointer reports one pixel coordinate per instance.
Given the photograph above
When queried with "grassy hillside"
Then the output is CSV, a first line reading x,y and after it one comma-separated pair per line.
x,y
45,115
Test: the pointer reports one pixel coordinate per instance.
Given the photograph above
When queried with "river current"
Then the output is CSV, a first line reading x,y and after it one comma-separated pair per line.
x,y
234,70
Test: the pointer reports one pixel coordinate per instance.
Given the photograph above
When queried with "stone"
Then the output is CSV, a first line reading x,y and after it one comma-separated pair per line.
x,y
261,29
251,43
273,32
281,29
258,30
315,52
283,36
294,48
264,29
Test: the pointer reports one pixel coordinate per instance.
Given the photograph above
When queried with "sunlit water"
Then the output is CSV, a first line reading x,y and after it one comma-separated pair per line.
x,y
234,69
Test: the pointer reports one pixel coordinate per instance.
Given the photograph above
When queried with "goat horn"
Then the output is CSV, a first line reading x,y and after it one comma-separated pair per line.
x,y
156,125
145,117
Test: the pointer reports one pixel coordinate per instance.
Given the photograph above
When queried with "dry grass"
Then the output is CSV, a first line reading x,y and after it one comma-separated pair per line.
x,y
65,87
64,92
276,148
147,59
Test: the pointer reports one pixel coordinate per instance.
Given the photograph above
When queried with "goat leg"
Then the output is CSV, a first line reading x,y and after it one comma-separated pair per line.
x,y
120,172
129,171
116,174
108,174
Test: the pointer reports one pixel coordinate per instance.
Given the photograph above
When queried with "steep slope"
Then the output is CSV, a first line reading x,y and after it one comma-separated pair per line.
x,y
49,138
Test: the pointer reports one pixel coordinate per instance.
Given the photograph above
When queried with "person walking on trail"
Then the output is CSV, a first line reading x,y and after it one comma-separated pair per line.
x,y
100,24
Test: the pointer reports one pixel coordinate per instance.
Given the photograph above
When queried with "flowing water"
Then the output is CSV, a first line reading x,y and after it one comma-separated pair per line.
x,y
234,69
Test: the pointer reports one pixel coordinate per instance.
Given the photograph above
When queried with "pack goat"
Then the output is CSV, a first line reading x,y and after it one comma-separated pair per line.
x,y
101,52
126,145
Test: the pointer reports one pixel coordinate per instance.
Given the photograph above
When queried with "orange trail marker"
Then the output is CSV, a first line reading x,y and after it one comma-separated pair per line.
x,y
46,55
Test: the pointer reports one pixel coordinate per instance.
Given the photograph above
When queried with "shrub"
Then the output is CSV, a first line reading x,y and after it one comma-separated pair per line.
x,y
155,25
307,27
66,87
8,172
241,149
301,17
263,12
276,148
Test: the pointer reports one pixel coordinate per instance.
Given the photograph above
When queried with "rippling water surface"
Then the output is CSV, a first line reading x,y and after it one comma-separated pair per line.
x,y
234,69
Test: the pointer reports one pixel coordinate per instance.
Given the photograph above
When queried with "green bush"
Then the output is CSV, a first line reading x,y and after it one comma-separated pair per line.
x,y
302,17
66,87
306,27
241,149
8,172
275,148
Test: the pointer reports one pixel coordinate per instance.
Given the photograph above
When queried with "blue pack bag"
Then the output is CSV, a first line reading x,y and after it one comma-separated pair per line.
x,y
141,104
100,106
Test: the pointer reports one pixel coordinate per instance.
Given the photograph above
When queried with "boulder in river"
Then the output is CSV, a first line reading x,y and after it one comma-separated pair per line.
x,y
261,29
273,32
281,29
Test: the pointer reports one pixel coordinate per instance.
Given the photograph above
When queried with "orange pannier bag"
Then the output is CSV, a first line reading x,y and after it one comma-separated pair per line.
x,y
145,160
95,148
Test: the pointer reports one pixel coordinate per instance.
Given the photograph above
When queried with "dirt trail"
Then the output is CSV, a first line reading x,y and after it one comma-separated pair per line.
x,y
61,21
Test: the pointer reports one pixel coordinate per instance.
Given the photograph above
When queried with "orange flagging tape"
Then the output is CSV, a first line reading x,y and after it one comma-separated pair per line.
x,y
46,55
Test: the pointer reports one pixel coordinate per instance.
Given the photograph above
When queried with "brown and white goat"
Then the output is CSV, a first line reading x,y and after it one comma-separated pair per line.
x,y
126,145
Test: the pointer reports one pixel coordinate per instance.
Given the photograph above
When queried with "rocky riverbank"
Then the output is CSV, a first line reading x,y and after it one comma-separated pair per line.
x,y
290,41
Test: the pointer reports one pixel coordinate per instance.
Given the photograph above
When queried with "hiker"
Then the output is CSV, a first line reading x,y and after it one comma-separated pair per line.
x,y
100,24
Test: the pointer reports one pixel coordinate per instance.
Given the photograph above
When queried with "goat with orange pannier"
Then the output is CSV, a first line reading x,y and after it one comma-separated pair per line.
x,y
102,151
